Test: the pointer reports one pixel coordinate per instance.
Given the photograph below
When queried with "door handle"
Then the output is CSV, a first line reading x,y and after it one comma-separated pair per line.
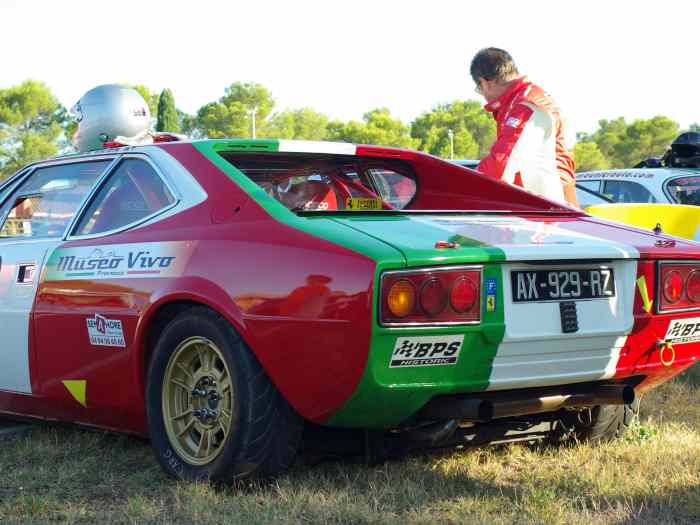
x,y
26,273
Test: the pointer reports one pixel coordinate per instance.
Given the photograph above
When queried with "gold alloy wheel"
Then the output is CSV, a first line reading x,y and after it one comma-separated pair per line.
x,y
197,400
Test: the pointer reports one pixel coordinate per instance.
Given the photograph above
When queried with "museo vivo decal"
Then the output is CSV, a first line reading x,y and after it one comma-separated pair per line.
x,y
139,260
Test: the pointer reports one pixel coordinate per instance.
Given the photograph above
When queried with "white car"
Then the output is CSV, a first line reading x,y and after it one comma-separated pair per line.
x,y
641,185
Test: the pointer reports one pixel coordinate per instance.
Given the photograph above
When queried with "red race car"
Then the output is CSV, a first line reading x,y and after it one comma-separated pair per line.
x,y
216,295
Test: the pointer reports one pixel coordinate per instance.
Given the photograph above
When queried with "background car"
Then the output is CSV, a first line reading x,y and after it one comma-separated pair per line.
x,y
649,198
219,296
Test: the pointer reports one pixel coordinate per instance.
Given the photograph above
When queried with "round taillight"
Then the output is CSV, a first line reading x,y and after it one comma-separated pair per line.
x,y
463,295
673,286
402,298
433,297
692,286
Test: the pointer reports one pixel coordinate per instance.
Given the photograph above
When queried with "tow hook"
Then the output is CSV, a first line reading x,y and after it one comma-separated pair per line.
x,y
667,354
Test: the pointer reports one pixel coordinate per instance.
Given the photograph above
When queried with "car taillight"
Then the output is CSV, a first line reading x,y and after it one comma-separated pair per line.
x,y
431,296
463,295
402,298
679,286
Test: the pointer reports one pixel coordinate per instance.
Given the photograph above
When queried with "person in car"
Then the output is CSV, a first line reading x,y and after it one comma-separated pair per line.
x,y
529,150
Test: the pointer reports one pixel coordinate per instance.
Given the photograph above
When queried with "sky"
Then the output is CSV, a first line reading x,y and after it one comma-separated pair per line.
x,y
598,59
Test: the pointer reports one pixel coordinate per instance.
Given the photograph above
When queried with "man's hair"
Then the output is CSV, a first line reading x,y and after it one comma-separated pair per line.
x,y
492,63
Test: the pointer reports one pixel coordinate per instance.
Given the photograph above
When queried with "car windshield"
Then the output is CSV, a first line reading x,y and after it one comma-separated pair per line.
x,y
330,184
685,190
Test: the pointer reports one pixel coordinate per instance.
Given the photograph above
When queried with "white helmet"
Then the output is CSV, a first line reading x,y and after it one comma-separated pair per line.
x,y
107,112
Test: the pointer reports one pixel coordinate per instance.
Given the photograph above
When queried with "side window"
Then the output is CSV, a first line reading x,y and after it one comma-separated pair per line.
x,y
625,191
133,192
395,188
593,185
44,204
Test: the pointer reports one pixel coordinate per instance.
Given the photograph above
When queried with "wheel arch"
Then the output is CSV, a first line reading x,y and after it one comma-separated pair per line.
x,y
168,306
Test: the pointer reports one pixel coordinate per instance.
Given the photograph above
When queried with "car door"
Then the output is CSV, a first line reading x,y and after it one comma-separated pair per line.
x,y
94,289
35,214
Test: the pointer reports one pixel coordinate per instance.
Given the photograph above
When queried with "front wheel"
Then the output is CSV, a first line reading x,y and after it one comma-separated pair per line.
x,y
212,411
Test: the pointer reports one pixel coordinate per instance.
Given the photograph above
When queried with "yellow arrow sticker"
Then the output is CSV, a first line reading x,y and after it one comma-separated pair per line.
x,y
362,203
644,292
78,389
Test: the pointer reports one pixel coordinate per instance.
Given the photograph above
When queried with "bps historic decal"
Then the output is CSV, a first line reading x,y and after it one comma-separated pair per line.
x,y
105,332
686,330
426,350
114,261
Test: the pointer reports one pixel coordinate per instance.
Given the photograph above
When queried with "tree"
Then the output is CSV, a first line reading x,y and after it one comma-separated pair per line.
x,y
624,145
378,127
232,115
588,157
31,123
304,124
474,129
168,118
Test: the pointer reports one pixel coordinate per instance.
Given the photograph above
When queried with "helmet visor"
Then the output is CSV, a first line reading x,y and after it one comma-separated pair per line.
x,y
76,112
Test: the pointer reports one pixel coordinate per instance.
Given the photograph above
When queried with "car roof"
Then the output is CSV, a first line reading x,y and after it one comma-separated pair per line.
x,y
251,145
656,174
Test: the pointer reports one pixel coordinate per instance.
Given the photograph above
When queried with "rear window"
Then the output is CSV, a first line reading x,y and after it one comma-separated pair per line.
x,y
325,183
685,190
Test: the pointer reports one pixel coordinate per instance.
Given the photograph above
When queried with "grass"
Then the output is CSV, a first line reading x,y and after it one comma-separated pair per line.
x,y
652,475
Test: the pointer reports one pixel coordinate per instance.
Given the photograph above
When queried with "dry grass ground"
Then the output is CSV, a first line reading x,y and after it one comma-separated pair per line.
x,y
59,475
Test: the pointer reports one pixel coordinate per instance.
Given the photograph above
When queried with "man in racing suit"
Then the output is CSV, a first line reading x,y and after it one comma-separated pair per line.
x,y
529,150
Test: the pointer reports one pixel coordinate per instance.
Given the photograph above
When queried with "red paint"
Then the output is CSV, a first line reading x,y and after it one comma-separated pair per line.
x,y
307,321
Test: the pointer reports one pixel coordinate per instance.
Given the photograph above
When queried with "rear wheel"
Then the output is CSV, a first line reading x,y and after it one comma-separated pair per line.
x,y
212,411
598,424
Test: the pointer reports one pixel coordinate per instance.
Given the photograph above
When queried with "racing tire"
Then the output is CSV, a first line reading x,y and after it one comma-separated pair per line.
x,y
598,424
213,414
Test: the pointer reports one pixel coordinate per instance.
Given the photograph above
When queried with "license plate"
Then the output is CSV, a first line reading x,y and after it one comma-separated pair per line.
x,y
562,285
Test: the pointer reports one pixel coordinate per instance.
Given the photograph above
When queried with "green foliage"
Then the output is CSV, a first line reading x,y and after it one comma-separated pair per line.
x,y
474,130
624,145
231,116
378,127
168,118
31,124
588,157
302,124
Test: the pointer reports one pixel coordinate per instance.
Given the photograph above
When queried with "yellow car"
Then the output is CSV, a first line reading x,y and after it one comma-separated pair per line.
x,y
650,199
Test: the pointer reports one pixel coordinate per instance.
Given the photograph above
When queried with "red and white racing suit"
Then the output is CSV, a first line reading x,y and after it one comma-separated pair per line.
x,y
529,150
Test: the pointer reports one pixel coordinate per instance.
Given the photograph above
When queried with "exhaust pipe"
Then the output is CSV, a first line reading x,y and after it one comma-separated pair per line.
x,y
509,405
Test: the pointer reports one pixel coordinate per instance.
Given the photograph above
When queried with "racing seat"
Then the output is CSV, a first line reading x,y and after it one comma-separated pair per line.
x,y
312,195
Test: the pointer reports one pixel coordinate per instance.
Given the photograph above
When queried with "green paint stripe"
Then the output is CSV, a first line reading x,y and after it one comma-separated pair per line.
x,y
319,226
386,396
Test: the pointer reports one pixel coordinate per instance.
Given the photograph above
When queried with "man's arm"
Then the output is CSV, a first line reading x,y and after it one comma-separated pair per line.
x,y
495,163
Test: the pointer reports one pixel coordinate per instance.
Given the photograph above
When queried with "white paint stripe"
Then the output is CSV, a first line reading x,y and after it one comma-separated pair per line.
x,y
311,146
535,352
524,240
